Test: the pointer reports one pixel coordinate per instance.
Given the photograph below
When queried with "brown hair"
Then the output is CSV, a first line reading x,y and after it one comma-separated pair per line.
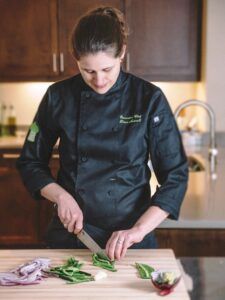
x,y
102,29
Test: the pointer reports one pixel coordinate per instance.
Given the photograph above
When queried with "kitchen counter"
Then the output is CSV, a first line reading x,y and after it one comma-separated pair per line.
x,y
123,284
204,277
203,205
12,142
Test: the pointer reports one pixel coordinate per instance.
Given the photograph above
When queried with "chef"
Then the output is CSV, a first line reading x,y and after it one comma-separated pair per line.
x,y
109,124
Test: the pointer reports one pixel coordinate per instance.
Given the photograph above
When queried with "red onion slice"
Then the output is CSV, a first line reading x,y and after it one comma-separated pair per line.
x,y
28,273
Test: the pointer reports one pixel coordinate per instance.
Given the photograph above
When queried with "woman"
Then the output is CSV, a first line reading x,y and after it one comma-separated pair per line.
x,y
108,123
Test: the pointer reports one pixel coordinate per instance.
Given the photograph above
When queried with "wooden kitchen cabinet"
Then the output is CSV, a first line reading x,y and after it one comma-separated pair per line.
x,y
69,11
35,37
192,242
18,215
28,40
164,41
23,220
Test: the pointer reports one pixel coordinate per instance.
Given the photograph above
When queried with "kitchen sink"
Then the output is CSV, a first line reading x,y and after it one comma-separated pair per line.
x,y
195,164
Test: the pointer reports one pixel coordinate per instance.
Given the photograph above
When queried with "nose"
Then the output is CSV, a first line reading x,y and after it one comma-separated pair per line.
x,y
99,79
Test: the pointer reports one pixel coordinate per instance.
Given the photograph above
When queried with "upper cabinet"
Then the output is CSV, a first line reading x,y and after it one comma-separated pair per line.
x,y
35,37
28,40
164,41
69,11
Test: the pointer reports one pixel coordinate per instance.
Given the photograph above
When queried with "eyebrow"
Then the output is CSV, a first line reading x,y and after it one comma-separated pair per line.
x,y
110,67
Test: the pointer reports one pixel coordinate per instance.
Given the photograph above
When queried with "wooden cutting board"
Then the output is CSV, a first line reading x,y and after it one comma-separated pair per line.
x,y
123,284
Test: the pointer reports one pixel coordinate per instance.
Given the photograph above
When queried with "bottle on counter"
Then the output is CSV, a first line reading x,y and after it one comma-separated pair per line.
x,y
4,120
11,120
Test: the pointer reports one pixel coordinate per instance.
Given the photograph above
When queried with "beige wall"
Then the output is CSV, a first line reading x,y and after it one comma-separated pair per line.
x,y
215,59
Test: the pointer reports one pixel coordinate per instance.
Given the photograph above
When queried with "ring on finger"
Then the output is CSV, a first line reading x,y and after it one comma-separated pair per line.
x,y
119,241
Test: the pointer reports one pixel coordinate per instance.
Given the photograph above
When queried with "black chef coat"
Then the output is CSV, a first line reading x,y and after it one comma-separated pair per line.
x,y
105,141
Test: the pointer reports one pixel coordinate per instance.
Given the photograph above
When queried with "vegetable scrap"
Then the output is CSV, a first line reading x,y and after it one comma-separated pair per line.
x,y
71,272
100,275
165,281
29,273
144,270
166,277
104,263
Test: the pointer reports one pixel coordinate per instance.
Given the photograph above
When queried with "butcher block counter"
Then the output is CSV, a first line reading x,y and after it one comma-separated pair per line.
x,y
123,284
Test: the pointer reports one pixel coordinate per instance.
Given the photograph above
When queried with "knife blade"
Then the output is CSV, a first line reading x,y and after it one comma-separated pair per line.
x,y
88,241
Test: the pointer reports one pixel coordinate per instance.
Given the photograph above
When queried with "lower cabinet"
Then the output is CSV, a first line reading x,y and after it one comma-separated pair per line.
x,y
23,220
192,242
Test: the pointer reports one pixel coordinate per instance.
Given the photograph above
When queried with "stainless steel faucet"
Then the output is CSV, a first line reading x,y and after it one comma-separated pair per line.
x,y
212,146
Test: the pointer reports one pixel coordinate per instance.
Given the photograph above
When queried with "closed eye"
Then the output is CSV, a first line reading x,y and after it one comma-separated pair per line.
x,y
89,71
107,69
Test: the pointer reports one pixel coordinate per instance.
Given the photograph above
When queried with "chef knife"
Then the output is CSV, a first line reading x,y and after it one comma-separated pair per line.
x,y
88,241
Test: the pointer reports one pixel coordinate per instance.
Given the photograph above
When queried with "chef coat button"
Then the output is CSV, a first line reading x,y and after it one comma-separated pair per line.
x,y
84,158
81,191
88,95
115,128
84,127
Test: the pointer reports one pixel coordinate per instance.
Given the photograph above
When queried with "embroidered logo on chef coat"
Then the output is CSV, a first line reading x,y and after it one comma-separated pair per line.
x,y
34,129
130,119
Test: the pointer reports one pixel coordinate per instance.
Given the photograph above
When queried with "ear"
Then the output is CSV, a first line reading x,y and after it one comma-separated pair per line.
x,y
123,52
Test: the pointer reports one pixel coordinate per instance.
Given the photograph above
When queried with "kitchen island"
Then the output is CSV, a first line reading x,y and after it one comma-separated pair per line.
x,y
123,284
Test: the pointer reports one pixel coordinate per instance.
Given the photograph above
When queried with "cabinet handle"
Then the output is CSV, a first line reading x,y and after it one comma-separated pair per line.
x,y
128,62
54,62
10,155
61,58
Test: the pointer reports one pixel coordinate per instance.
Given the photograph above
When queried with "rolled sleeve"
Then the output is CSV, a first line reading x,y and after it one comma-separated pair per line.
x,y
168,159
33,163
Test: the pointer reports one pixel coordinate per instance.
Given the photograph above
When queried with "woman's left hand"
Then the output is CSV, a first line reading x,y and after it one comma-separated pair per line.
x,y
120,241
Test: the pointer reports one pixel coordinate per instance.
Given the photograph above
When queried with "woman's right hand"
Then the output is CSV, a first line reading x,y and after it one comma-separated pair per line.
x,y
70,213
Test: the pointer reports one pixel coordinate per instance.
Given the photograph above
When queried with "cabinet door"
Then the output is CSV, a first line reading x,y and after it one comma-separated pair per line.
x,y
28,39
19,213
69,11
164,39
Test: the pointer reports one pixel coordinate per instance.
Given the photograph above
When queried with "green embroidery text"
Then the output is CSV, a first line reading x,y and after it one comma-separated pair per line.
x,y
130,119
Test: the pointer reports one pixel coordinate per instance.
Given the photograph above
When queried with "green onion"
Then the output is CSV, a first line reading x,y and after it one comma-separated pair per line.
x,y
104,263
70,271
144,270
